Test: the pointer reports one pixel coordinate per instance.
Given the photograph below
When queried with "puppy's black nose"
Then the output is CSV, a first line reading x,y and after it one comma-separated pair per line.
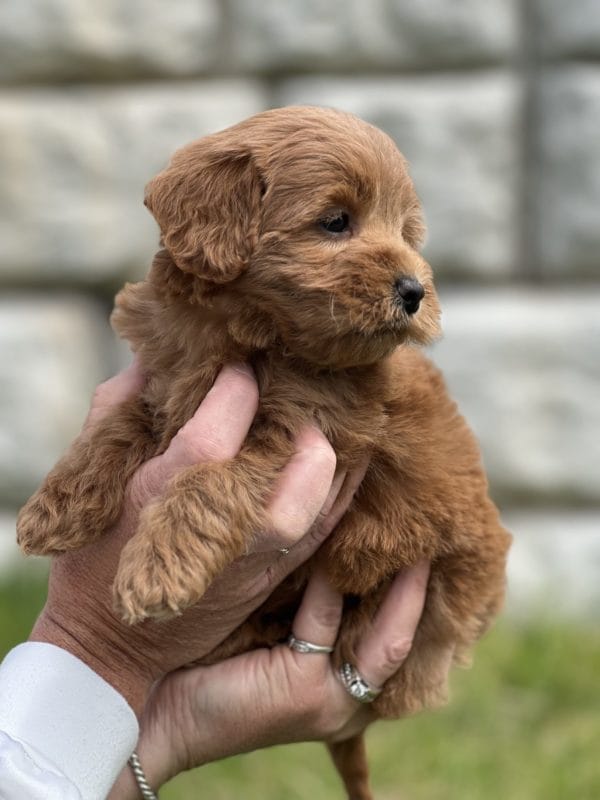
x,y
409,293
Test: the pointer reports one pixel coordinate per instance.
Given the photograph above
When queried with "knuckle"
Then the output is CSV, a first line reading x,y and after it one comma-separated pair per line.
x,y
135,494
319,451
319,532
102,393
325,458
288,526
312,437
328,722
335,710
327,616
193,447
145,485
238,382
269,579
396,652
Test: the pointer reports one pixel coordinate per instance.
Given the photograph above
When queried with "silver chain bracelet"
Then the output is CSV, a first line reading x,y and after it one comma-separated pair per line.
x,y
140,778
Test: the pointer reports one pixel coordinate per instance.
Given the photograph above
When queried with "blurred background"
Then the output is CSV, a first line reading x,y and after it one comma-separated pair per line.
x,y
496,104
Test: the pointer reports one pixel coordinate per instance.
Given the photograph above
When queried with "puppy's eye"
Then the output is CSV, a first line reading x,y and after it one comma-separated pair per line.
x,y
337,224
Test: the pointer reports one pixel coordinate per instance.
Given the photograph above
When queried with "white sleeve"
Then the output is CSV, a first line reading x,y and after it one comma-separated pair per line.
x,y
65,733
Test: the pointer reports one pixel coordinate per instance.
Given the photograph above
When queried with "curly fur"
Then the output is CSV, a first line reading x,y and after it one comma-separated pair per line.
x,y
246,273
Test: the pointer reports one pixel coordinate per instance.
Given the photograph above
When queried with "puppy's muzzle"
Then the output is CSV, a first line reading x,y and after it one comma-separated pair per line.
x,y
408,294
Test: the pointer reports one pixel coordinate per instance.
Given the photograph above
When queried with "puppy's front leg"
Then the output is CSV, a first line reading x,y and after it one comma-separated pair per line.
x,y
205,519
82,496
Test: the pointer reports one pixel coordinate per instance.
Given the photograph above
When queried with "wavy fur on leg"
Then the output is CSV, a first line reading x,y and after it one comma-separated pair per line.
x,y
204,521
83,495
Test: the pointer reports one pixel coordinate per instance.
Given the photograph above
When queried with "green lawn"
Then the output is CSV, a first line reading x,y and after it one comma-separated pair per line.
x,y
523,724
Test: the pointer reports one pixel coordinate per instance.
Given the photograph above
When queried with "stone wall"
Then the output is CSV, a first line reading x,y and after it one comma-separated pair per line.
x,y
496,105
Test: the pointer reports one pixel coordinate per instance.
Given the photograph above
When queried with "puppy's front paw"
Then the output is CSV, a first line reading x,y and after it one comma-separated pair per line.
x,y
40,526
185,539
161,572
149,590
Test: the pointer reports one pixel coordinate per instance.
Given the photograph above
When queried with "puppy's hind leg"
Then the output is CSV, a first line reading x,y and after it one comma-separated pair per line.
x,y
205,519
83,495
350,759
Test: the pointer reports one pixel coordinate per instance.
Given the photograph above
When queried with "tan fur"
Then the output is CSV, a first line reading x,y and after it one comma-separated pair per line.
x,y
246,273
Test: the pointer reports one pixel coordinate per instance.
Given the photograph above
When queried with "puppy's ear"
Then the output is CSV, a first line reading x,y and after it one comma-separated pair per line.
x,y
207,203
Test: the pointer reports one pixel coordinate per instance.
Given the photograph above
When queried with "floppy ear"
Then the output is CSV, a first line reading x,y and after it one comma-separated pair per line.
x,y
207,204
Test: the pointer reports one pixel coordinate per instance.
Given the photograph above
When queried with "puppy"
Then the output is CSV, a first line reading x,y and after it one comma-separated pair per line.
x,y
291,241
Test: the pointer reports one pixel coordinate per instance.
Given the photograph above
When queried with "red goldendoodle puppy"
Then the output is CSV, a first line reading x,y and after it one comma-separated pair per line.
x,y
291,241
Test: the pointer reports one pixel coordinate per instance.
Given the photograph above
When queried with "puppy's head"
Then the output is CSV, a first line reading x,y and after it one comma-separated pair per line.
x,y
306,217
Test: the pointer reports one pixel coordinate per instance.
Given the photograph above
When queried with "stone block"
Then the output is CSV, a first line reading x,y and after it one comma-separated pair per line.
x,y
75,39
524,366
74,164
53,353
554,564
354,34
567,171
568,29
460,136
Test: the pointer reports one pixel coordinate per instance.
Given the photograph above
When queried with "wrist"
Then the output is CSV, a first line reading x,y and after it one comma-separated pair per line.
x,y
125,787
100,651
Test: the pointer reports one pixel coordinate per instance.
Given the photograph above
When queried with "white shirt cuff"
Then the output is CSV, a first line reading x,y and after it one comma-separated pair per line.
x,y
59,707
25,773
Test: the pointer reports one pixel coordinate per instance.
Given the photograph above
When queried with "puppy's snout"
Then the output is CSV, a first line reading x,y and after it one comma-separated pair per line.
x,y
409,293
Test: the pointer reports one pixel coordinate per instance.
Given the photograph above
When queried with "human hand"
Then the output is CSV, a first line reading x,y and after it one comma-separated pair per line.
x,y
307,502
269,697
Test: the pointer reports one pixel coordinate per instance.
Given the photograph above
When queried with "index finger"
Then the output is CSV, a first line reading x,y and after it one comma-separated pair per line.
x,y
383,650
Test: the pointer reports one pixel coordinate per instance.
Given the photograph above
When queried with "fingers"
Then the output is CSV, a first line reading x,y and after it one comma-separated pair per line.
x,y
320,613
333,510
383,650
332,513
297,527
216,432
305,541
307,484
115,390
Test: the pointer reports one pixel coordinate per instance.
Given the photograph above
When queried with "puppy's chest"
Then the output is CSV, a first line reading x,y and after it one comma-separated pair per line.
x,y
352,417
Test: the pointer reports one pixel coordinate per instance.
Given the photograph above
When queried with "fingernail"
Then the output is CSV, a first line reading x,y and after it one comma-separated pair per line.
x,y
242,367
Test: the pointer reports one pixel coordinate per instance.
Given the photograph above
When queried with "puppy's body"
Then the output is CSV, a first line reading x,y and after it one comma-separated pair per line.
x,y
287,241
424,495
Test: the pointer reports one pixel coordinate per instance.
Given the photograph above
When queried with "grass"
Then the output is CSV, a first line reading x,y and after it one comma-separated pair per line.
x,y
523,724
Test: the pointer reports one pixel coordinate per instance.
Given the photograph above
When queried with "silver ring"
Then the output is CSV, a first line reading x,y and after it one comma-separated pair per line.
x,y
284,550
301,646
356,685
